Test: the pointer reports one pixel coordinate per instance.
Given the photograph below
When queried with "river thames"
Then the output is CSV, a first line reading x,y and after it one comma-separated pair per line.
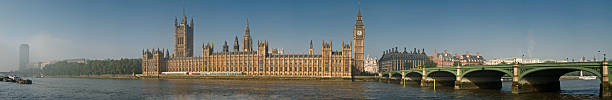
x,y
108,89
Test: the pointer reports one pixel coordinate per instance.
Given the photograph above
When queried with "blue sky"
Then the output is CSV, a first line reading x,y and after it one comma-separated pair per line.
x,y
101,29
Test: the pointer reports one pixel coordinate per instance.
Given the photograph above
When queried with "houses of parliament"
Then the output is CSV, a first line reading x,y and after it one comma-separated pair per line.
x,y
257,61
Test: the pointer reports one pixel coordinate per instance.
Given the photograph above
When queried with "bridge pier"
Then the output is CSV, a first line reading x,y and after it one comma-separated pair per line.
x,y
539,83
605,89
515,79
402,80
458,83
423,77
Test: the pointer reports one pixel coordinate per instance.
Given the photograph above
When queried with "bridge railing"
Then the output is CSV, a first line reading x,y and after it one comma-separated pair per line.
x,y
555,64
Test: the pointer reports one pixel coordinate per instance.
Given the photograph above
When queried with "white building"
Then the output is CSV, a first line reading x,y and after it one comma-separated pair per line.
x,y
519,60
371,65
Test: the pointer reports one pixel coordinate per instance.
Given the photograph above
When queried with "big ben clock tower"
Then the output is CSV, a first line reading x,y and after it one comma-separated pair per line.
x,y
358,36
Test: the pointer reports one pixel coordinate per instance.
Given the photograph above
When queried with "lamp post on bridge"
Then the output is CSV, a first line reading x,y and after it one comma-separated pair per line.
x,y
602,53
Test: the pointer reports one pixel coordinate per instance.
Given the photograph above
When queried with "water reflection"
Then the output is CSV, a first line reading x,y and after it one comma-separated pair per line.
x,y
105,89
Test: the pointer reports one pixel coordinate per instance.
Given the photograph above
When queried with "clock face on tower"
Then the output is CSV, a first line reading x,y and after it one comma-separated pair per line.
x,y
359,33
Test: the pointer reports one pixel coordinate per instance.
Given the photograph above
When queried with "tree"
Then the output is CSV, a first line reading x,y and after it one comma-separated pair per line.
x,y
95,67
456,63
430,64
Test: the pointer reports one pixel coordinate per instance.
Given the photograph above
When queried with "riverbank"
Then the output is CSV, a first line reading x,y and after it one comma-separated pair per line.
x,y
217,77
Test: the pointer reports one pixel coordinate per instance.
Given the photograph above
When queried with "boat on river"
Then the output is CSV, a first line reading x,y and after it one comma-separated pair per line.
x,y
16,79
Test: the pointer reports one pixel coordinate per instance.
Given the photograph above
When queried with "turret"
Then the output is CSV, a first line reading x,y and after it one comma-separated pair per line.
x,y
167,54
423,51
225,47
175,22
236,45
310,50
207,50
327,49
184,20
191,22
262,48
346,49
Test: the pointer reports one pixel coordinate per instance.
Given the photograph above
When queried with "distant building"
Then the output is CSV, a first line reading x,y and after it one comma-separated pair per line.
x,y
44,64
447,60
76,60
34,65
394,60
24,56
277,51
371,65
520,60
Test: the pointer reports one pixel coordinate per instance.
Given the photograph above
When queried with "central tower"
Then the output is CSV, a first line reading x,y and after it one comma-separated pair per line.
x,y
183,38
358,37
246,40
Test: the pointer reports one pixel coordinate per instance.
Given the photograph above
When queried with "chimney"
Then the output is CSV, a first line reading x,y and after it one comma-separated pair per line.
x,y
467,53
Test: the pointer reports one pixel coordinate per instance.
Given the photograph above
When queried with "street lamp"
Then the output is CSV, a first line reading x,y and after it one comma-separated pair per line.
x,y
604,55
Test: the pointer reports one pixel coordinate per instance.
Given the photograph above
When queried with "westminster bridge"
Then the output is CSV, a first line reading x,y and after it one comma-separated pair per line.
x,y
540,77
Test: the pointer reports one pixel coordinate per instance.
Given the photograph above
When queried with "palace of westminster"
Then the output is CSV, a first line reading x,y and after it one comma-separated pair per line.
x,y
247,61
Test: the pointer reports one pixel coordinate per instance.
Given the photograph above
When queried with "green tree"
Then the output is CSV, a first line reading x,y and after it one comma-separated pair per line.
x,y
456,63
95,67
430,64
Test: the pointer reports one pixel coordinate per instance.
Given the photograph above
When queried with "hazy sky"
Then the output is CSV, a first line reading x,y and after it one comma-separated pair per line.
x,y
101,29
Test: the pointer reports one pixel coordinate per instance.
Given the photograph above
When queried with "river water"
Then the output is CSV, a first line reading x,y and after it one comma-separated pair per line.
x,y
121,89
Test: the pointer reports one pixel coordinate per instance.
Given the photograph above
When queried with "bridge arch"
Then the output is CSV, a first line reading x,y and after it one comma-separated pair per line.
x,y
546,79
441,77
497,70
570,69
385,75
489,78
396,75
414,76
438,71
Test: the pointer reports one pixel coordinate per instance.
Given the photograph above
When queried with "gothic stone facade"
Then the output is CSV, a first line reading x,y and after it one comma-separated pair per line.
x,y
250,62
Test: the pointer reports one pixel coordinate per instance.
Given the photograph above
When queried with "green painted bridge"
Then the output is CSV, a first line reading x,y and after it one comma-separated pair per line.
x,y
526,78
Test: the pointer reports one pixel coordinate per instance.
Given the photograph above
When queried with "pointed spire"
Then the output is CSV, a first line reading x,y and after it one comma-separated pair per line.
x,y
247,31
167,53
423,51
175,21
359,8
342,45
184,14
359,13
247,42
184,20
236,45
191,22
225,47
310,44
